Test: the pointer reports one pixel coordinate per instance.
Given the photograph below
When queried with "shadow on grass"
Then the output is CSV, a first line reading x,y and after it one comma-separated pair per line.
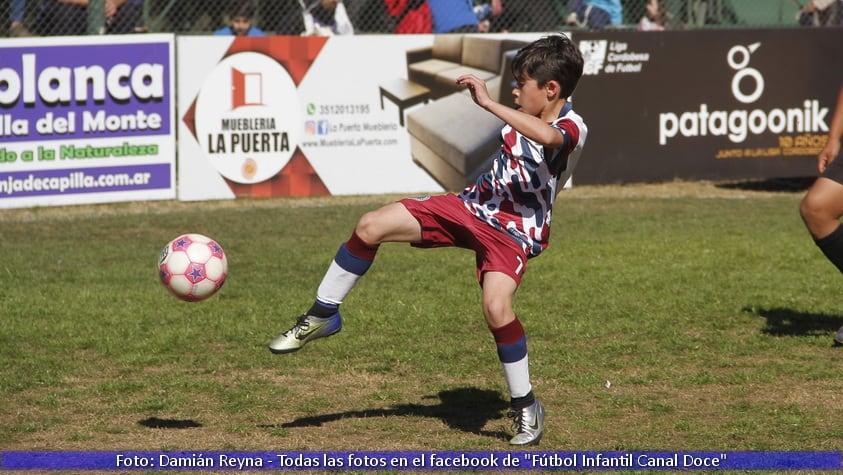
x,y
793,184
156,423
465,409
789,322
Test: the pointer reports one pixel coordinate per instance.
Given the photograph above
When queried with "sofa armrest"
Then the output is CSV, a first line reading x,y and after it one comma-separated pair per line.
x,y
419,54
506,79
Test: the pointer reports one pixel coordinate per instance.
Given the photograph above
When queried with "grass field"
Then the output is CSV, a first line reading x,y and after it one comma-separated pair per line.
x,y
685,316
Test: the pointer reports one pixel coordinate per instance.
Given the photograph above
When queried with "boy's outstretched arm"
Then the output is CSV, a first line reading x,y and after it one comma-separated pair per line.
x,y
529,126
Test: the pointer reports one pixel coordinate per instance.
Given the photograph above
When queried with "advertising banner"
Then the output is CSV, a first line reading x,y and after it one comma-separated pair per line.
x,y
86,120
298,116
292,116
708,104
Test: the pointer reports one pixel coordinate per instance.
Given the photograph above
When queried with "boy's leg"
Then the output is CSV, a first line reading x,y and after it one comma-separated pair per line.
x,y
390,223
351,261
821,210
511,341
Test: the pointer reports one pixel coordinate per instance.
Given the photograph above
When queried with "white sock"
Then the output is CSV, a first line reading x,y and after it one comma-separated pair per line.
x,y
336,284
517,376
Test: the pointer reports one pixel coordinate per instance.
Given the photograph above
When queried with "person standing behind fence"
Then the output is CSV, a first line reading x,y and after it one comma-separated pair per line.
x,y
62,17
594,14
821,13
70,17
123,16
17,15
822,206
453,16
655,17
521,15
307,18
411,16
325,18
241,14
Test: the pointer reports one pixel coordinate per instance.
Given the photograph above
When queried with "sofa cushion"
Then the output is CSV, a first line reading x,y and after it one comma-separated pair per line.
x,y
426,71
448,77
493,86
482,53
455,129
452,138
441,171
448,47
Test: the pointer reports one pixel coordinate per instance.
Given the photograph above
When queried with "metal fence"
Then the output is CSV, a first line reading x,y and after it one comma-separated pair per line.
x,y
52,17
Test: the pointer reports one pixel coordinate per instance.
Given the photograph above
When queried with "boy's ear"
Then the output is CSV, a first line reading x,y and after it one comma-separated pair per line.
x,y
554,89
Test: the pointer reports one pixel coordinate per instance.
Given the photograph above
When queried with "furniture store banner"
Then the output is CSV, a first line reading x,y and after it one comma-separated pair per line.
x,y
291,116
709,104
86,120
298,116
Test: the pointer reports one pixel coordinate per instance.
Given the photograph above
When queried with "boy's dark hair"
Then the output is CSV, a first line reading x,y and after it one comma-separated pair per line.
x,y
552,58
242,8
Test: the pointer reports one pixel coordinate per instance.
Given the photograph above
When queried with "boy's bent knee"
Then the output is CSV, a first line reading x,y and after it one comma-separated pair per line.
x,y
807,207
497,311
390,223
365,228
819,216
815,207
372,227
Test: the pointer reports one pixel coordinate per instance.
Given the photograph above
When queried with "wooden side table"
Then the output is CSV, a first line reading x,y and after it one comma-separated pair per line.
x,y
404,94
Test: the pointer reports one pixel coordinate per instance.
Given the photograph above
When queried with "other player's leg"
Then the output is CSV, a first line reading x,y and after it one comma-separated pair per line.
x,y
391,223
821,209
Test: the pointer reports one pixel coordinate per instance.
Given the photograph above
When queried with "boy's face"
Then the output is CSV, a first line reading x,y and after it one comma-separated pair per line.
x,y
240,25
529,95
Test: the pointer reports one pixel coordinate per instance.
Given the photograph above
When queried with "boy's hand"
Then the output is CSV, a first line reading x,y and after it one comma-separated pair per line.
x,y
477,88
827,154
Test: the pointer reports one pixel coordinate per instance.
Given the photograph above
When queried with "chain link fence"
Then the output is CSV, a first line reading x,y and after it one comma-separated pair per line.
x,y
56,17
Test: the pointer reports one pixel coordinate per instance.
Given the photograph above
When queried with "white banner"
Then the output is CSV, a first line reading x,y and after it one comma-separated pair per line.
x,y
287,116
293,116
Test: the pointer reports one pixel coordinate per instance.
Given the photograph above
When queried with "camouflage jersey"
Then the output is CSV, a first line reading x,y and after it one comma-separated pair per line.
x,y
517,195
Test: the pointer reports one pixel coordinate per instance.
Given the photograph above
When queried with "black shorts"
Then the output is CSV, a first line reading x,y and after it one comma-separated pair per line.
x,y
834,170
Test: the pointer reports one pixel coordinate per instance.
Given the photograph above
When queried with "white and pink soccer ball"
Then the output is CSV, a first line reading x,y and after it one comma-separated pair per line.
x,y
193,267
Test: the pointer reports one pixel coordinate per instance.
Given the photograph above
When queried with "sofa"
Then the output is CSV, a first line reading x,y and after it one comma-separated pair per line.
x,y
438,66
452,138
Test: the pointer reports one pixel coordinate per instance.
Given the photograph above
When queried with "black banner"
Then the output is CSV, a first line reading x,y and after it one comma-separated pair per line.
x,y
706,104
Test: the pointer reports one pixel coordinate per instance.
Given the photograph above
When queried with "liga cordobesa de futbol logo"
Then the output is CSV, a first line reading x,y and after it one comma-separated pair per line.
x,y
248,117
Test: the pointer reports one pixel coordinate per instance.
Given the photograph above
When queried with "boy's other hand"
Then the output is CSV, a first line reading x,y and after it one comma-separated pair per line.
x,y
477,88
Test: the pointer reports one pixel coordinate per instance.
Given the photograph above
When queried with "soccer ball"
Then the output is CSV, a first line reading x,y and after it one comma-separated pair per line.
x,y
193,267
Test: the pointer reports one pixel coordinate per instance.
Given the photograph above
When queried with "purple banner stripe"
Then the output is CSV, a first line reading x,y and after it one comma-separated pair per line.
x,y
415,461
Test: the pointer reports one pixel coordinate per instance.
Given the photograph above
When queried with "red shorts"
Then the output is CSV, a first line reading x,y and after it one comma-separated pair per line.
x,y
446,222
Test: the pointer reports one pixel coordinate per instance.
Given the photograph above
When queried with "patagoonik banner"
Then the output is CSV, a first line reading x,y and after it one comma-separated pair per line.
x,y
708,104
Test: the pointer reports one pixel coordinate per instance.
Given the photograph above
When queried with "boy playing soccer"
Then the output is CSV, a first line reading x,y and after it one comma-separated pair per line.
x,y
504,217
